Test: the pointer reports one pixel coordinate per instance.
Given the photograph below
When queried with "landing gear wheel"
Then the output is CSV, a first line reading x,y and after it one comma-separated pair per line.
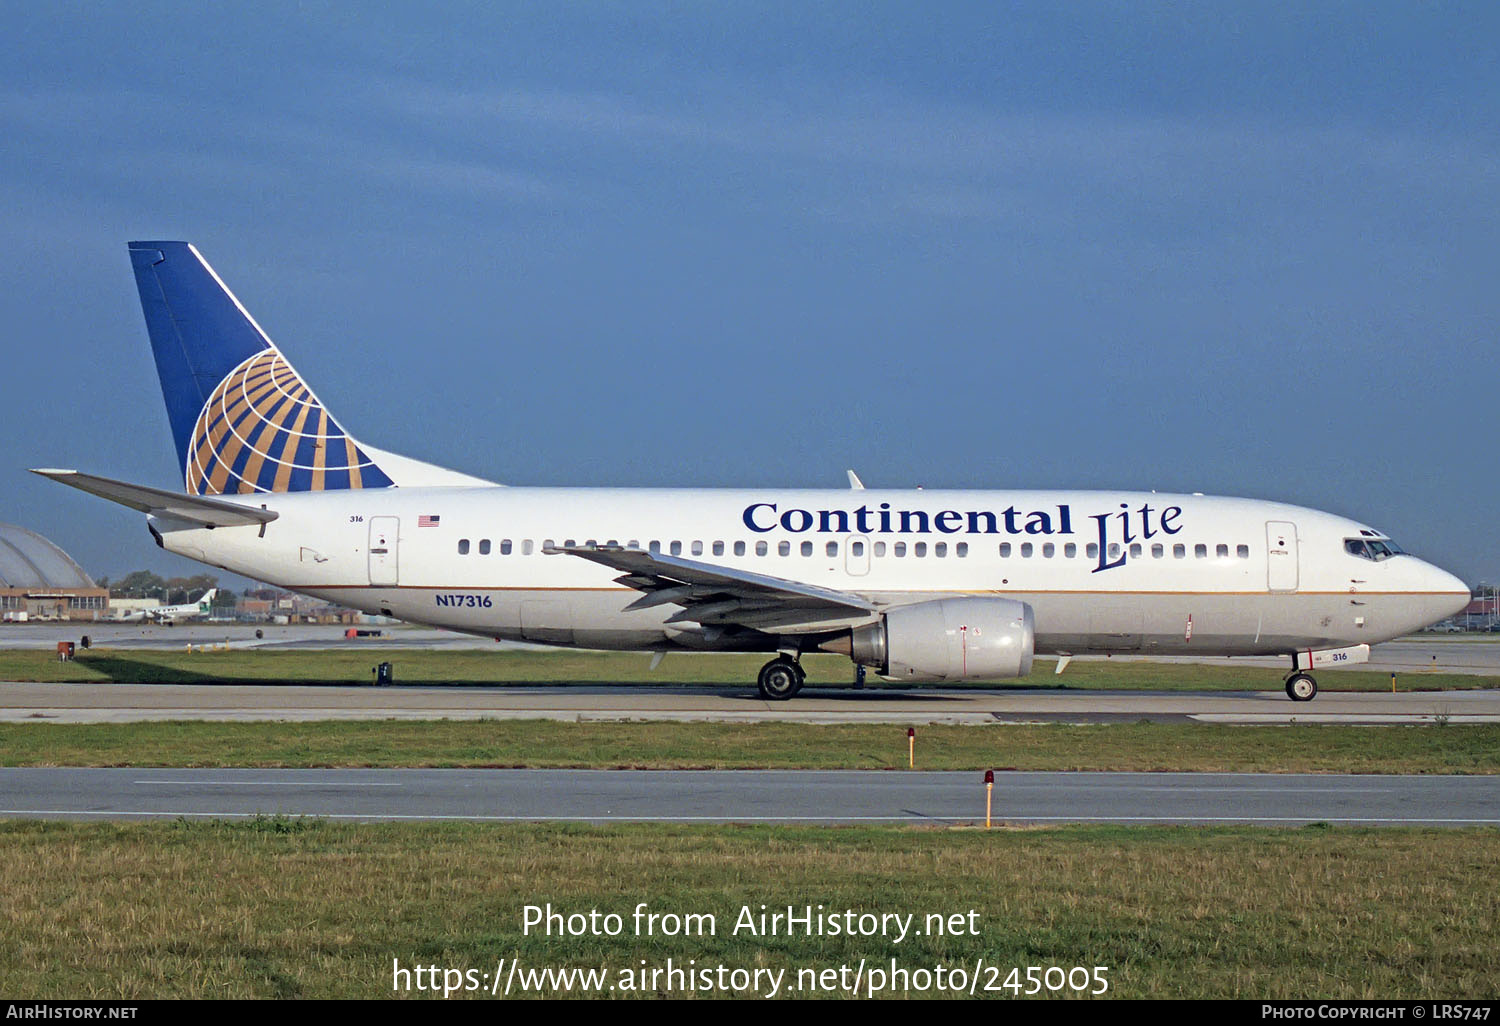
x,y
1300,687
780,679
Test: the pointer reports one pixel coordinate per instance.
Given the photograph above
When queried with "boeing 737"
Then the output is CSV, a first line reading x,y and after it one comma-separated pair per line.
x,y
917,585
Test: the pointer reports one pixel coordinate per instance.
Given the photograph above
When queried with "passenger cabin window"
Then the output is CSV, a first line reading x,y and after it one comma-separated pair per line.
x,y
1243,551
784,548
857,548
899,549
1179,551
940,550
1005,550
718,548
1026,550
1070,550
526,547
1200,551
484,546
961,550
697,548
879,548
1222,551
761,548
739,548
677,548
832,548
505,547
807,548
919,549
463,546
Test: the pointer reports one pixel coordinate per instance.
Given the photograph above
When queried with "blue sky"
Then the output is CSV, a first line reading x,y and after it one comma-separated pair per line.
x,y
1232,248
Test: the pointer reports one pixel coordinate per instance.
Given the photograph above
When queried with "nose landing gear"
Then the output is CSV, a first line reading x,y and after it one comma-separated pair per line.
x,y
1300,687
780,679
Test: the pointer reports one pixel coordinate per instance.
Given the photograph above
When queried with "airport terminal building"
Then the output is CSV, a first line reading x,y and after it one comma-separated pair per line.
x,y
39,581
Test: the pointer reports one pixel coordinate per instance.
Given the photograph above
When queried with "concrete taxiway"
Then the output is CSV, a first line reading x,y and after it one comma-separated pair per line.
x,y
124,703
1445,653
762,796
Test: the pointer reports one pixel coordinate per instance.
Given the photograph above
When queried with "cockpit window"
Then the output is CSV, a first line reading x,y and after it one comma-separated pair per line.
x,y
1372,548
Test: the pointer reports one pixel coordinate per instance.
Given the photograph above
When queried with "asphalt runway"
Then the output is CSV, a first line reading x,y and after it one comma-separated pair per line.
x,y
764,796
127,703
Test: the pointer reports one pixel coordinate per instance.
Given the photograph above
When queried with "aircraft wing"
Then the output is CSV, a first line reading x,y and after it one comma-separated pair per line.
x,y
719,595
195,509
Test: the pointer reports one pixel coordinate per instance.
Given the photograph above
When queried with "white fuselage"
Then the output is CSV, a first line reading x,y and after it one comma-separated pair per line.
x,y
1104,571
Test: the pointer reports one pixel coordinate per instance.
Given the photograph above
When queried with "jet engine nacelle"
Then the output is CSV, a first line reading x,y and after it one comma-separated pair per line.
x,y
949,639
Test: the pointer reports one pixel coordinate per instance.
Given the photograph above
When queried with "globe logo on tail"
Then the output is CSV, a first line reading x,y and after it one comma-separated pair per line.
x,y
263,430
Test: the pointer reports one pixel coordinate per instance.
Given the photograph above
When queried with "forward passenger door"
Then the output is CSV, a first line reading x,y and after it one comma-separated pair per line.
x,y
1281,556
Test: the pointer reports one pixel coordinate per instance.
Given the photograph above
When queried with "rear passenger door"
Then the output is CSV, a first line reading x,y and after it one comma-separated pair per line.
x,y
385,537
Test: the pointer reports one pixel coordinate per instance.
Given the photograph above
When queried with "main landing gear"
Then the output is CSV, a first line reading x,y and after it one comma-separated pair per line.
x,y
780,679
1300,687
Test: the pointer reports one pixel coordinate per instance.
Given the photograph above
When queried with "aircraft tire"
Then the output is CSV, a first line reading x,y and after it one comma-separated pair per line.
x,y
780,679
1300,687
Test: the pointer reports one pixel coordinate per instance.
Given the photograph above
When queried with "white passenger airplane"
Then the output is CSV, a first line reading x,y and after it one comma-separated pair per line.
x,y
917,585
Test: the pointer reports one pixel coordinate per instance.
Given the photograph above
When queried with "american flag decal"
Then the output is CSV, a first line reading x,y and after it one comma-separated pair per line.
x,y
428,521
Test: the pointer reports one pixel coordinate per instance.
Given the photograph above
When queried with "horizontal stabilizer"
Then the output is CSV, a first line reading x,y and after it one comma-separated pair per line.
x,y
158,502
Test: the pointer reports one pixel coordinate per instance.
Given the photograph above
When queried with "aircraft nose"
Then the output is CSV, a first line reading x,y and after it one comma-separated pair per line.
x,y
1442,582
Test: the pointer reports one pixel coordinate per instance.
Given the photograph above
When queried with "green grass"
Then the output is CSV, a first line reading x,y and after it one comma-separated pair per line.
x,y
313,909
544,743
467,666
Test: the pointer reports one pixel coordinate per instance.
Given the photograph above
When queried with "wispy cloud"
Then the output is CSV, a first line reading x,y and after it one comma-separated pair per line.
x,y
876,157
143,136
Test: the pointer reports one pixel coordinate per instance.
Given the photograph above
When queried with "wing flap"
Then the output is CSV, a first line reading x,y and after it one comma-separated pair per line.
x,y
712,594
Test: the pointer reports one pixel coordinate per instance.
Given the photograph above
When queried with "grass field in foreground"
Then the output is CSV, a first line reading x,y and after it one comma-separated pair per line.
x,y
468,666
544,743
280,908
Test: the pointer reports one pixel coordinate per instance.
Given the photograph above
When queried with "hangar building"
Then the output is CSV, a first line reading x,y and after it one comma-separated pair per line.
x,y
40,580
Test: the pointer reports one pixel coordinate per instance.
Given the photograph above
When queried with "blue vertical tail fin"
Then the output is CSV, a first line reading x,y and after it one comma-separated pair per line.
x,y
242,418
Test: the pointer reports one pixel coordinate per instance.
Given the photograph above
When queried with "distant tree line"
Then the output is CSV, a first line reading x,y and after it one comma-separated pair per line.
x,y
171,591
